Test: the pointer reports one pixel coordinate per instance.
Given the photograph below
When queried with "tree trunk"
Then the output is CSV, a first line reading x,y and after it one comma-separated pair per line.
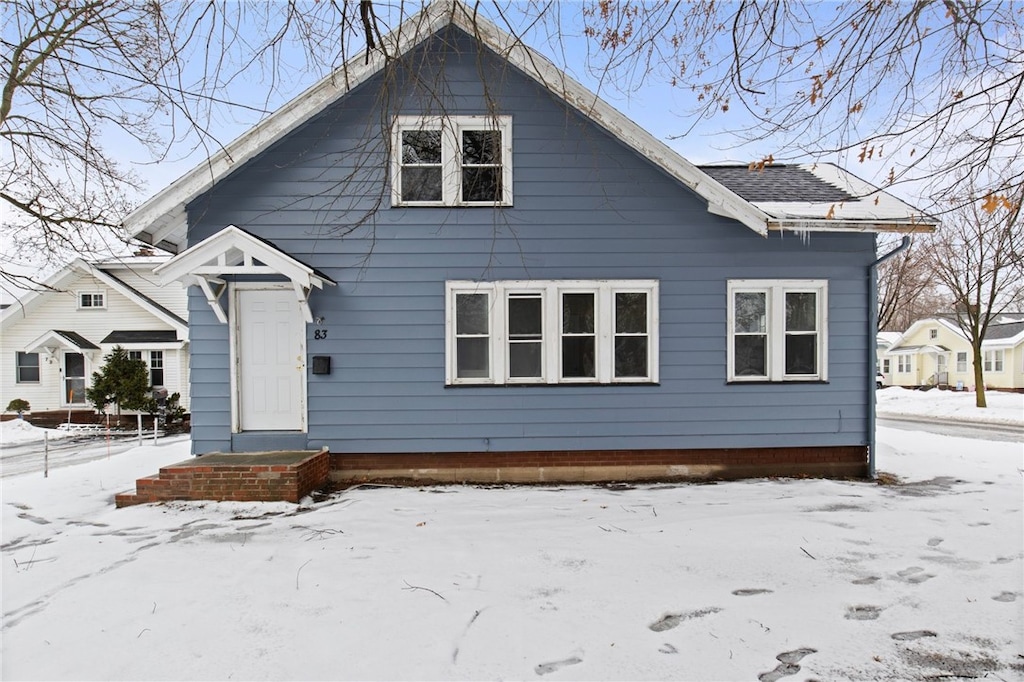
x,y
979,378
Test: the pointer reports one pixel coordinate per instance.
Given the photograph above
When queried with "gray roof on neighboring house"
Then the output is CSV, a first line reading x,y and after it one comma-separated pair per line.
x,y
77,339
142,336
1004,331
777,183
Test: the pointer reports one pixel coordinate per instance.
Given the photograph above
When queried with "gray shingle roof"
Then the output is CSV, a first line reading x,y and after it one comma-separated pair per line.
x,y
77,340
777,183
142,336
1004,331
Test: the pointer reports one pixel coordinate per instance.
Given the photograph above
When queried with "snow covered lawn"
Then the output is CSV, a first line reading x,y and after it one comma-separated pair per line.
x,y
1003,408
751,580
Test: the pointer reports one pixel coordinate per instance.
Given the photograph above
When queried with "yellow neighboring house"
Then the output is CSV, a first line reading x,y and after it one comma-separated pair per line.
x,y
935,352
1002,353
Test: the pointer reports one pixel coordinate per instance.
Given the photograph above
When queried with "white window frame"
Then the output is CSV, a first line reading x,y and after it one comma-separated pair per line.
x,y
92,296
904,363
150,363
886,366
961,362
994,360
775,291
451,128
18,367
933,334
551,292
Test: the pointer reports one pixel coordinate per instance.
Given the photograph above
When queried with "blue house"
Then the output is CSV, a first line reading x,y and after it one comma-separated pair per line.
x,y
456,263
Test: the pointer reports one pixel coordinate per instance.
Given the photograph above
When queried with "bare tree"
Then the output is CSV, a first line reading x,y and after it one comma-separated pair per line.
x,y
87,85
923,87
907,290
927,86
979,257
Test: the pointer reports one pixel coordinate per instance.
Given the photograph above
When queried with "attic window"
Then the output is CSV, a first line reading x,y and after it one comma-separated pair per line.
x,y
91,300
452,161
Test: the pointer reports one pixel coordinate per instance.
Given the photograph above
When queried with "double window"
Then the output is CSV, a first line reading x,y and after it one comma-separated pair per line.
x,y
156,365
89,300
552,332
452,161
993,361
777,330
27,368
904,364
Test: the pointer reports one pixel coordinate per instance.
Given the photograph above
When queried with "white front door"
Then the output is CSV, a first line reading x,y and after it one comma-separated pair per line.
x,y
270,360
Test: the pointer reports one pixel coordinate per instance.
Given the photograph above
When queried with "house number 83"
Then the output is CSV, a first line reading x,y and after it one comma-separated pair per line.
x,y
319,334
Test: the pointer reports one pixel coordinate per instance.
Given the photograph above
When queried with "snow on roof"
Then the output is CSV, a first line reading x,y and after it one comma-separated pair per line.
x,y
794,194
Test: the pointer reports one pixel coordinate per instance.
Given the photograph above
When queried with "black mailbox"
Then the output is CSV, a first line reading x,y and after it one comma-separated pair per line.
x,y
321,364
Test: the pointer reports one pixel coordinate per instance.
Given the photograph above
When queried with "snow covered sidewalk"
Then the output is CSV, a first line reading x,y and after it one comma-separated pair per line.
x,y
750,580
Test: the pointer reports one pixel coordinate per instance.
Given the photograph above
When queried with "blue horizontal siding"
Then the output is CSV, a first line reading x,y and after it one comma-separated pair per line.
x,y
585,207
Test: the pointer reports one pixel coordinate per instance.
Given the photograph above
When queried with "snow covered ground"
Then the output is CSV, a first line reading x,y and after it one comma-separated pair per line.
x,y
1003,408
754,580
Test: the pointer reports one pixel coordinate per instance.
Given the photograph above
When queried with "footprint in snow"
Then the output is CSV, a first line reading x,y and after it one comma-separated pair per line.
x,y
1005,596
869,580
912,635
787,666
863,612
750,592
915,575
671,620
545,668
934,542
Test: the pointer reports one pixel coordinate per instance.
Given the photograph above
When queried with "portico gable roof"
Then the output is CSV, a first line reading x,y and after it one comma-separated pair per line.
x,y
234,252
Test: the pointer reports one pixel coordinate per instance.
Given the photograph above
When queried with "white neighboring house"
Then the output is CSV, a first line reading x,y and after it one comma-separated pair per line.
x,y
54,338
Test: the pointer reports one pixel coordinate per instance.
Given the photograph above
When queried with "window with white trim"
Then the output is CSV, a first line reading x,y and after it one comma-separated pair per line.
x,y
904,364
961,362
155,366
26,368
452,161
88,300
994,360
551,332
886,366
933,333
777,330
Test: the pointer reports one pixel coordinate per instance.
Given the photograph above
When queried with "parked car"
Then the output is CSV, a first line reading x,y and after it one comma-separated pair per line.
x,y
879,380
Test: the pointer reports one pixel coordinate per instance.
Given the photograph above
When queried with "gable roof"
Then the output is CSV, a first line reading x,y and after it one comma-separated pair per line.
x,y
162,220
235,252
64,277
927,321
54,339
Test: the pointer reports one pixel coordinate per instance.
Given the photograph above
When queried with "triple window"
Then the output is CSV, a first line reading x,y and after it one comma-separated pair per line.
x,y
777,330
452,161
552,332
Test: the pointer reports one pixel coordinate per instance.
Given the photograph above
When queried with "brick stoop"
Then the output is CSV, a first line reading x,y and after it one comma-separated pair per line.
x,y
286,476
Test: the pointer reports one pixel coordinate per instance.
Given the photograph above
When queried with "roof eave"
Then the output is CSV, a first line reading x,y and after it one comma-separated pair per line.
x,y
832,225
